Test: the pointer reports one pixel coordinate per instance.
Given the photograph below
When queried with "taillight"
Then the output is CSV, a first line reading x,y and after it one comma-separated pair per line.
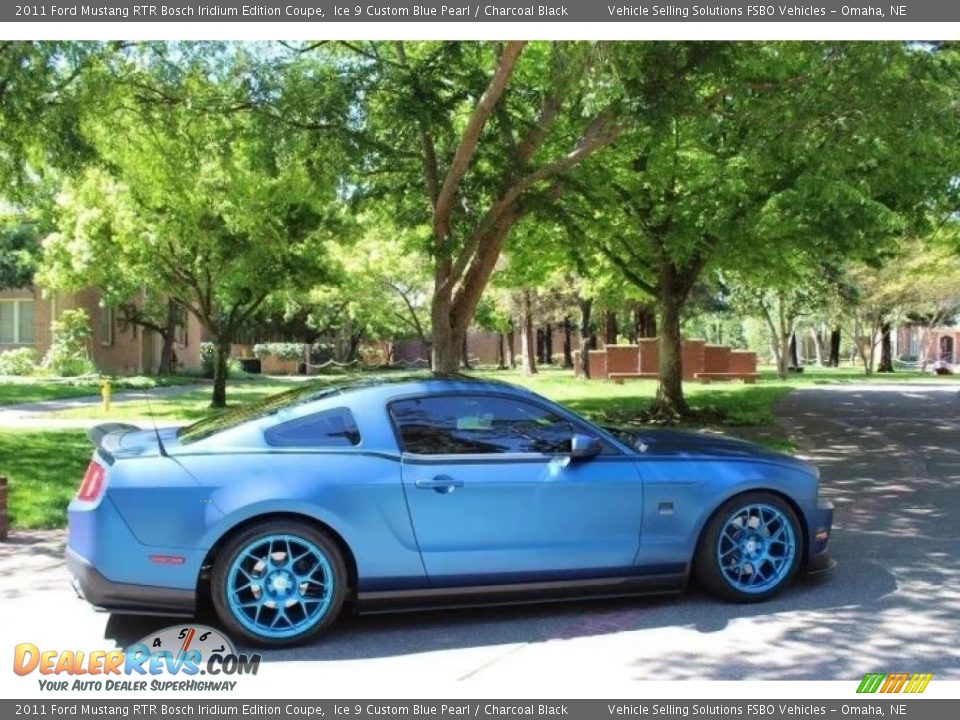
x,y
92,484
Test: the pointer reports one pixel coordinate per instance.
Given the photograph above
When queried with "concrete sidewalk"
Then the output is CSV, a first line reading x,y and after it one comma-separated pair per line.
x,y
38,408
35,415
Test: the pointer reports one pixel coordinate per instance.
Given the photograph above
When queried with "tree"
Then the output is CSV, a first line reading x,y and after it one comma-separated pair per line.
x,y
919,280
19,250
378,290
496,129
203,202
43,91
745,153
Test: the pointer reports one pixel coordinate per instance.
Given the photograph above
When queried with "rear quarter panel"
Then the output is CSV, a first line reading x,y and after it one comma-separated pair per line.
x,y
357,494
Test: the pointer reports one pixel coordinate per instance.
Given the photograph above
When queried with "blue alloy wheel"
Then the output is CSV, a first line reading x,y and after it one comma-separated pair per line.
x,y
750,549
756,548
279,583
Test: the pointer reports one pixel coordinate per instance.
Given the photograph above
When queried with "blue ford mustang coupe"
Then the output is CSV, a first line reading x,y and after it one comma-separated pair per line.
x,y
387,492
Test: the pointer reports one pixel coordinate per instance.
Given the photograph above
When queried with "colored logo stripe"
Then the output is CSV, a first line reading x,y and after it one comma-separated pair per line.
x,y
870,683
894,682
918,683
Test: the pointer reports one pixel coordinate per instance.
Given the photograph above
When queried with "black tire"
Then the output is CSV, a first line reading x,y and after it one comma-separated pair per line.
x,y
225,558
707,567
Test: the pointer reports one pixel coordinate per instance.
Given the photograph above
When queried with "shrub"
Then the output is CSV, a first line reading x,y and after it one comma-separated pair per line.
x,y
281,351
206,358
67,355
234,370
22,361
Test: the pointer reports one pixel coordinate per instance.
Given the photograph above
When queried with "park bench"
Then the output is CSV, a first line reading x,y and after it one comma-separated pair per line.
x,y
748,378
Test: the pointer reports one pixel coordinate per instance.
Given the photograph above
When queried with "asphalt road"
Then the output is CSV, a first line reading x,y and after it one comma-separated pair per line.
x,y
890,461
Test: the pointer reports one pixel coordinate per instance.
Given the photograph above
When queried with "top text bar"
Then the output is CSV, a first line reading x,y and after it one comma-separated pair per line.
x,y
578,11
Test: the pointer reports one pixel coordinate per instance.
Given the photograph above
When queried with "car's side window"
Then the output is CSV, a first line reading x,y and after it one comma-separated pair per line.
x,y
478,424
330,428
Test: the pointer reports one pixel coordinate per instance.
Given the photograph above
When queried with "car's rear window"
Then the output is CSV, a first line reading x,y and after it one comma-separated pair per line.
x,y
208,427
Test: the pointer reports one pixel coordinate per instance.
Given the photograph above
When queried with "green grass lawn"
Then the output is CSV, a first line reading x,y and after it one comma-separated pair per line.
x,y
15,390
188,406
44,470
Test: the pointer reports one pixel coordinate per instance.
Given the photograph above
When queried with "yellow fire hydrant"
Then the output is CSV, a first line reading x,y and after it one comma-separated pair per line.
x,y
106,390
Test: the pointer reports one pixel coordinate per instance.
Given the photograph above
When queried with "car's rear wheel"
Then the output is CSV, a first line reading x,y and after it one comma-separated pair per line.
x,y
278,583
751,548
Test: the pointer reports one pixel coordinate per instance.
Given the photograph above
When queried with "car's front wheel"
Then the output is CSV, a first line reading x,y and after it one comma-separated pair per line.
x,y
750,549
278,583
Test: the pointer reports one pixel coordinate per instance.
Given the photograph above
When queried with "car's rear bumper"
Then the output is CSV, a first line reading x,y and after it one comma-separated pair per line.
x,y
115,597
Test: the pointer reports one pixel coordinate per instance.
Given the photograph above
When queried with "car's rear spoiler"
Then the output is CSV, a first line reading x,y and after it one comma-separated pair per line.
x,y
99,433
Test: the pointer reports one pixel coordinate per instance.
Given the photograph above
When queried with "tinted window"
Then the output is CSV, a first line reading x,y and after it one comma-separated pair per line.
x,y
477,424
332,428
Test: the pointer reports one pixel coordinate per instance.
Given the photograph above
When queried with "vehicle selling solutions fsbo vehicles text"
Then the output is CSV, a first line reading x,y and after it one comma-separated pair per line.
x,y
716,11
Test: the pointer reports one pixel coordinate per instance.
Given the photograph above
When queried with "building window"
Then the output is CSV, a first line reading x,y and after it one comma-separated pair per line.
x,y
106,326
16,322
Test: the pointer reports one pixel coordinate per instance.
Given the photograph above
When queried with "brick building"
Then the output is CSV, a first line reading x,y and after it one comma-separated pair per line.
x,y
116,348
927,344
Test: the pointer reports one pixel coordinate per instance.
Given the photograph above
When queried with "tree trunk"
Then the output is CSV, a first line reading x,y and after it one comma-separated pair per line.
x,y
528,356
886,348
817,345
834,358
585,305
465,353
548,344
512,346
541,346
794,358
609,327
447,343
670,402
221,355
567,344
501,351
646,321
167,336
779,341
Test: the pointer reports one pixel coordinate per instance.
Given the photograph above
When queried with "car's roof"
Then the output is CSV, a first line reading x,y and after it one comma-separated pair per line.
x,y
399,382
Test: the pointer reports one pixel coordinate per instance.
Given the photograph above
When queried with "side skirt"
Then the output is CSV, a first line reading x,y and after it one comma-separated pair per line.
x,y
386,601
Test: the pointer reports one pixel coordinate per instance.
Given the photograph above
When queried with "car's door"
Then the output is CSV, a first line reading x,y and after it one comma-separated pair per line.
x,y
495,496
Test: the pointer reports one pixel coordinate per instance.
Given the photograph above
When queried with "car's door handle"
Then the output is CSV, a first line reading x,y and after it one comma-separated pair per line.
x,y
440,483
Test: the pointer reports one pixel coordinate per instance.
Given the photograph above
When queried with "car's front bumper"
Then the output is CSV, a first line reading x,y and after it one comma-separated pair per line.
x,y
115,597
820,563
820,523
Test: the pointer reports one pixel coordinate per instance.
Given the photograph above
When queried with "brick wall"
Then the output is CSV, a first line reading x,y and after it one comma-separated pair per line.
x,y
692,356
716,359
743,361
622,358
598,364
649,351
120,355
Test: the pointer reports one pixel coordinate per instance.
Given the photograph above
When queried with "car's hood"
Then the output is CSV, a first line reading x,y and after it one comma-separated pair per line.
x,y
669,442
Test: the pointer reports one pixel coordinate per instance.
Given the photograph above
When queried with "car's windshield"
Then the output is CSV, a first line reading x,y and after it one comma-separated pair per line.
x,y
203,429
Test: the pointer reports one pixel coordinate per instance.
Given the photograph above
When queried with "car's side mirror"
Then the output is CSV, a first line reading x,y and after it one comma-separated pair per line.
x,y
584,447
